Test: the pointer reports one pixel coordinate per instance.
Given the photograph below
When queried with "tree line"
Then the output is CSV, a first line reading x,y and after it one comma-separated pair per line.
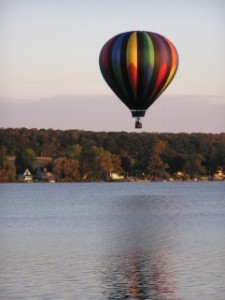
x,y
85,155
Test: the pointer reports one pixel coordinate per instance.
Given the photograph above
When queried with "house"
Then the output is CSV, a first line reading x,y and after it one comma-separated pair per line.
x,y
219,175
27,177
44,175
115,176
179,175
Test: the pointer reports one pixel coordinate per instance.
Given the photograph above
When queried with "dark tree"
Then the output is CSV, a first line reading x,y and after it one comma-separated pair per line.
x,y
24,160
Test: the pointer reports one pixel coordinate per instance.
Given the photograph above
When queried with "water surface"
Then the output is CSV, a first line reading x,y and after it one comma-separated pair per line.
x,y
112,241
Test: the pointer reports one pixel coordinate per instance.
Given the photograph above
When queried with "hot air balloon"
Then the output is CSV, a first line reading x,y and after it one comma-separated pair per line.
x,y
138,66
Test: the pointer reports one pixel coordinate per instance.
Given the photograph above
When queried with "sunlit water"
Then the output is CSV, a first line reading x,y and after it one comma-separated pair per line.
x,y
112,241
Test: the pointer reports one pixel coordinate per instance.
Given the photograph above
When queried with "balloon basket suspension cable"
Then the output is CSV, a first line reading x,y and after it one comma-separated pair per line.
x,y
138,114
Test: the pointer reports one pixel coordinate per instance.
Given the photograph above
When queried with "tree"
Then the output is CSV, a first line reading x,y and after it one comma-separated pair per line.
x,y
71,170
194,165
177,164
66,169
96,163
116,162
75,152
2,156
24,160
7,169
156,167
57,168
139,153
7,173
127,165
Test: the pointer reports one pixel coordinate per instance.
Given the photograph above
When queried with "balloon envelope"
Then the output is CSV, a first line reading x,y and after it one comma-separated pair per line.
x,y
138,66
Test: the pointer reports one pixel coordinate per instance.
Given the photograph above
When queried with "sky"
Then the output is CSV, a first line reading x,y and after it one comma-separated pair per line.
x,y
50,77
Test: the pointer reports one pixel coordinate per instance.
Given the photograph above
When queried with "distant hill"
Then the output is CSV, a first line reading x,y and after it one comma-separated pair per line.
x,y
107,113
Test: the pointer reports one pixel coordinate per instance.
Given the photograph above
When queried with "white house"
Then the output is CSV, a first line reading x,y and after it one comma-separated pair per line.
x,y
27,177
115,176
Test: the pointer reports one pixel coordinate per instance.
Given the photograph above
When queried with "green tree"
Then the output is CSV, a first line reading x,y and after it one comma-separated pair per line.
x,y
177,164
75,152
156,167
194,165
96,163
135,150
127,164
24,160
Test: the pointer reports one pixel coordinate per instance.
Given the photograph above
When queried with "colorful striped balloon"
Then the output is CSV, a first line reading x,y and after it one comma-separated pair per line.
x,y
138,66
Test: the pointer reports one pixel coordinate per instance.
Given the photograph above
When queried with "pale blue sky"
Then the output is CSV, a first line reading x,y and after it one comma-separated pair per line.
x,y
50,48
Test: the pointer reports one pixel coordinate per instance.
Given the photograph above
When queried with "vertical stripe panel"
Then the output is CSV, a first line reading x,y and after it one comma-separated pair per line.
x,y
116,63
174,58
132,53
149,57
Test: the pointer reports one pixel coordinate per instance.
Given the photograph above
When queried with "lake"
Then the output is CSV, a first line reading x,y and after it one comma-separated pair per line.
x,y
112,241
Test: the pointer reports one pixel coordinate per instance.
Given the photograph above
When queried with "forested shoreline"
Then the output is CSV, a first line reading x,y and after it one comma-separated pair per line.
x,y
78,155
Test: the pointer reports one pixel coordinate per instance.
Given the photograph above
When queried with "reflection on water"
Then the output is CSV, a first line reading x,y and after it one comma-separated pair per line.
x,y
141,268
139,276
112,241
